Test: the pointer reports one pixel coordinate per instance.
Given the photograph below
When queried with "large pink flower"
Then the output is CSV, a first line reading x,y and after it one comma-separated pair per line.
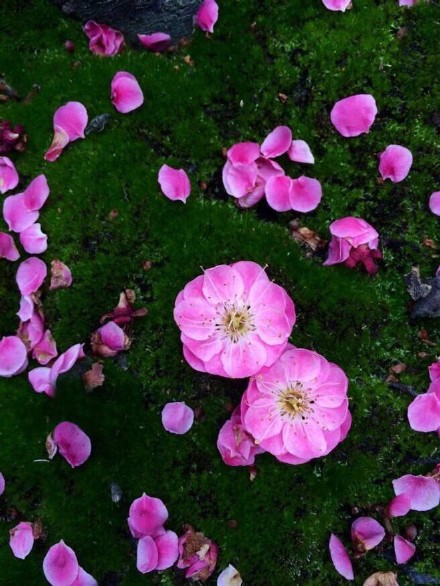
x,y
354,241
104,40
233,320
424,411
297,409
69,124
236,446
8,175
354,115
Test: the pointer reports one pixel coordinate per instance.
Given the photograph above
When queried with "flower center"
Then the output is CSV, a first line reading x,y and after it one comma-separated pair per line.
x,y
293,401
236,322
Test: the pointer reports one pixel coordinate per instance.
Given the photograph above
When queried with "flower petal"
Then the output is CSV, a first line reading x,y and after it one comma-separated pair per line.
x,y
126,93
174,183
277,142
340,558
30,275
403,549
177,417
60,566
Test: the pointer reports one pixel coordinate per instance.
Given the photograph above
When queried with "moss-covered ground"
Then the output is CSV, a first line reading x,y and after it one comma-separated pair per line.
x,y
275,529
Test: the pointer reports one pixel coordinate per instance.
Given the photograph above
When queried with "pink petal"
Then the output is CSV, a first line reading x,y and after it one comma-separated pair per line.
x,y
340,558
367,532
30,275
59,142
21,540
40,380
60,566
408,2
26,308
61,275
207,16
337,5
424,413
17,216
221,283
8,250
229,577
147,555
147,516
240,180
299,151
126,94
174,183
305,194
168,550
36,194
399,506
423,491
8,175
434,203
354,115
177,417
2,484
66,360
395,163
156,42
72,118
33,240
84,579
112,336
46,349
434,371
73,444
403,549
277,142
13,356
31,332
104,40
244,153
277,192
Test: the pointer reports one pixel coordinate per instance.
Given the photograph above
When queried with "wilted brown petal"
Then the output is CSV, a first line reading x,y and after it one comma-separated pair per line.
x,y
382,579
94,377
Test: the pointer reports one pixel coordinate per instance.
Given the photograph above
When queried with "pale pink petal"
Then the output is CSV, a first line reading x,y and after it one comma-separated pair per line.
x,y
277,192
26,308
147,516
8,250
367,532
354,115
147,555
60,566
84,579
61,276
59,142
240,180
399,506
21,539
196,319
403,549
40,380
174,183
337,5
2,484
229,577
168,550
434,371
277,142
73,444
33,240
156,42
340,558
395,163
46,349
72,118
423,491
17,216
424,412
8,175
177,417
30,275
434,203
36,194
126,93
221,283
207,16
305,194
299,151
66,360
13,356
408,2
244,153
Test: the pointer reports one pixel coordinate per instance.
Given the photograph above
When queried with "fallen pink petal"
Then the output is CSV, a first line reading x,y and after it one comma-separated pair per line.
x,y
354,115
147,555
21,540
31,332
156,42
147,516
434,203
30,275
177,418
305,194
399,506
229,577
424,411
277,142
105,41
33,240
69,123
8,175
366,533
423,491
73,444
44,379
207,16
168,549
243,153
22,210
395,163
126,93
2,484
434,371
340,558
13,356
60,275
403,549
60,565
299,152
124,313
337,5
277,192
45,349
84,579
8,250
174,183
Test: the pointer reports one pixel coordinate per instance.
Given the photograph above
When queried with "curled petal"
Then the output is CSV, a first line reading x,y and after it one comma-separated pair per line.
x,y
126,93
21,540
277,142
61,276
395,163
46,349
73,444
8,175
174,183
72,118
8,250
340,558
59,142
366,533
33,240
156,42
105,41
229,577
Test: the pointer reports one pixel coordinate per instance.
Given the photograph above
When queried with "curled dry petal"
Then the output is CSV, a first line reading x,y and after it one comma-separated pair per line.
x,y
126,93
340,558
73,444
46,349
13,356
12,138
69,123
174,183
109,339
156,42
105,41
61,276
60,566
44,379
354,115
21,539
207,16
94,377
177,418
30,275
124,313
236,446
197,554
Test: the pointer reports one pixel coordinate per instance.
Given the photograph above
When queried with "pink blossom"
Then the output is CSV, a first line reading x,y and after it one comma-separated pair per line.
x,y
434,203
8,250
236,446
61,276
69,123
297,409
60,566
126,93
109,340
8,175
403,549
399,506
30,275
31,331
104,40
177,417
72,443
44,379
299,151
354,241
2,484
158,553
45,349
21,540
156,42
434,371
229,577
340,558
354,115
424,411
22,210
33,240
395,163
174,183
197,554
207,16
233,320
277,142
337,5
13,356
423,491
147,516
366,533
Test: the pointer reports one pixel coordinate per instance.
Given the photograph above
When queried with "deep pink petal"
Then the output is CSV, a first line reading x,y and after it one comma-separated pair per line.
x,y
277,142
13,356
168,550
177,417
36,194
112,336
434,203
72,118
147,516
59,142
2,484
104,40
340,558
8,250
356,231
403,549
174,183
156,42
17,216
30,275
21,540
354,115
305,194
126,93
33,240
8,175
299,151
277,192
60,566
424,413
399,506
207,16
395,163
73,444
367,531
61,275
244,153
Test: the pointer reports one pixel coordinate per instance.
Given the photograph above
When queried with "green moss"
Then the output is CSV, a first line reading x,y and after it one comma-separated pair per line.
x,y
260,49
